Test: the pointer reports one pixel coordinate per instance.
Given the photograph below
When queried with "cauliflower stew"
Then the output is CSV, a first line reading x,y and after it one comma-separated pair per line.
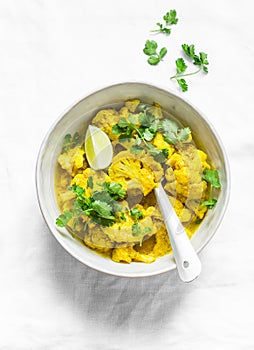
x,y
114,211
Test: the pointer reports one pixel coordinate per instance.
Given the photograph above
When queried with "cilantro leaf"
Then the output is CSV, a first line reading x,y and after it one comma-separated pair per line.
x,y
70,142
142,107
64,218
172,133
106,222
90,182
209,203
169,125
123,123
148,135
136,230
103,209
103,196
117,207
212,177
159,155
136,149
154,126
147,230
162,52
170,17
189,50
116,129
78,190
180,65
150,49
136,213
145,119
183,134
153,60
183,85
201,61
116,190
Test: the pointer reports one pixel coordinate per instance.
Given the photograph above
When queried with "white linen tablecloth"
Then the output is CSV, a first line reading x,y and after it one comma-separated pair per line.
x,y
54,52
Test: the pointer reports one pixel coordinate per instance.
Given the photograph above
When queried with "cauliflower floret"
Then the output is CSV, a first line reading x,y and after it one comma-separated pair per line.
x,y
176,161
184,177
129,254
132,105
162,245
183,213
105,119
74,158
126,167
203,157
98,177
160,143
201,212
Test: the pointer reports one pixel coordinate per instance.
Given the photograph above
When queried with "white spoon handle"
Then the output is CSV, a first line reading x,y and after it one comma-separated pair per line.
x,y
187,261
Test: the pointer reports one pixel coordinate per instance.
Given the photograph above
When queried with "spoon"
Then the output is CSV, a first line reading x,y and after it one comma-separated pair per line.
x,y
187,260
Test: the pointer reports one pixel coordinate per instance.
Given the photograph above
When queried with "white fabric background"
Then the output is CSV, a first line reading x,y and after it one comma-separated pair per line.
x,y
52,53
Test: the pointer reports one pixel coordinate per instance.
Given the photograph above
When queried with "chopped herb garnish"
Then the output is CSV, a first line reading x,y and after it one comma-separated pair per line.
x,y
70,142
160,155
136,149
209,203
64,218
90,182
147,131
115,190
136,230
136,214
212,177
172,133
101,206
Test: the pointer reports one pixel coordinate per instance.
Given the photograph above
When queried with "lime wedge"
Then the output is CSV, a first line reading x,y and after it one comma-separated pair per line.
x,y
98,148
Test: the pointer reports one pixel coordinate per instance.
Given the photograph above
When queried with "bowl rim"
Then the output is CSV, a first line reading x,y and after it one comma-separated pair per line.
x,y
164,90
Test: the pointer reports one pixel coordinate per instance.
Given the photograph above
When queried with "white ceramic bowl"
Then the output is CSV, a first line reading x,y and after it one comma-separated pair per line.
x,y
80,114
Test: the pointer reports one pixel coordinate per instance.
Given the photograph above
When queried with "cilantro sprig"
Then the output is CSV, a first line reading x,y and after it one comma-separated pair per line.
x,y
127,128
101,206
198,60
150,50
64,218
170,19
209,203
212,177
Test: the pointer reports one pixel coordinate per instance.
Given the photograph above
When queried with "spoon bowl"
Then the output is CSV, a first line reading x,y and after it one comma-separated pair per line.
x,y
187,260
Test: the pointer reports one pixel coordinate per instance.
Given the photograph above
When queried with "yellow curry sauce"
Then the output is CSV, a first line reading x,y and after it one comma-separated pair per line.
x,y
144,154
